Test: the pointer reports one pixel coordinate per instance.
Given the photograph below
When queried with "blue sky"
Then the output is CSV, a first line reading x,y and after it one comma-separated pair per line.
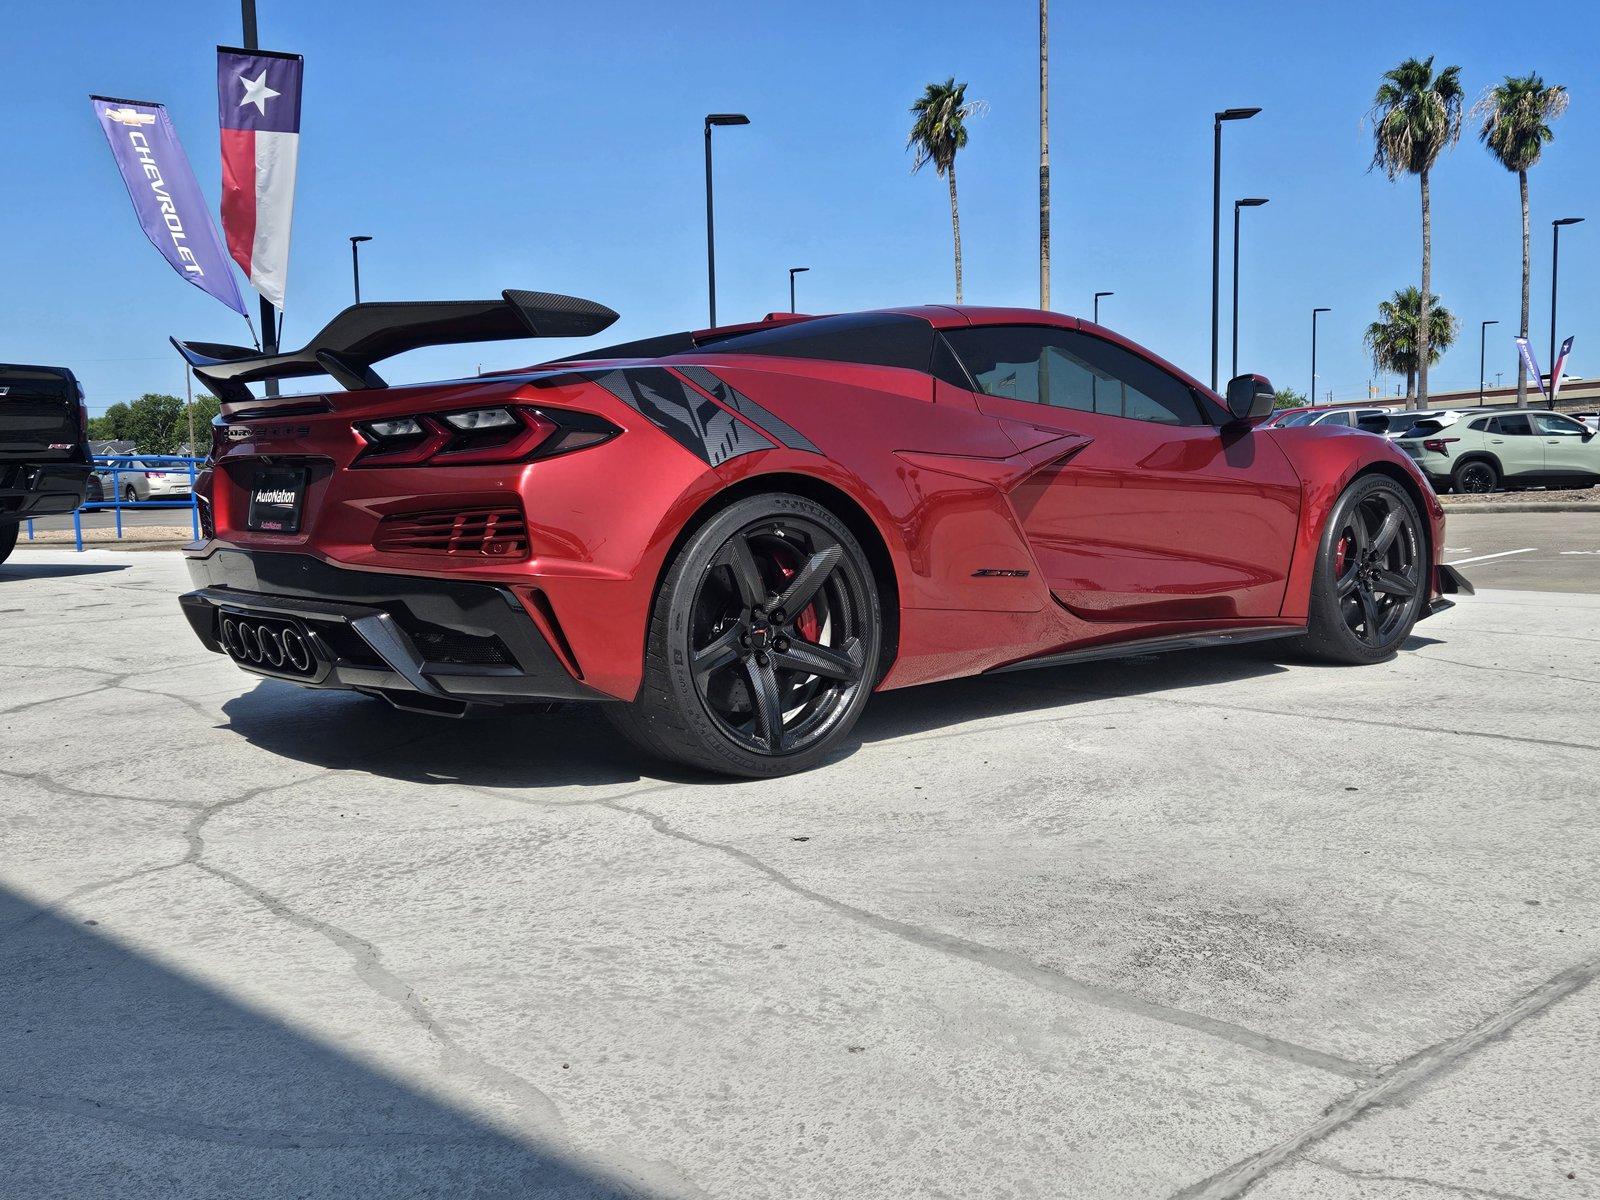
x,y
558,147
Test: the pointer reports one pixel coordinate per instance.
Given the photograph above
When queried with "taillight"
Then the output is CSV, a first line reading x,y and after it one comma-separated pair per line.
x,y
478,436
1437,445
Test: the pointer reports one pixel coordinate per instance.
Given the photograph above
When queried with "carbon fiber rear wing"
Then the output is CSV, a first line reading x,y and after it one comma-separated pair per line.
x,y
364,334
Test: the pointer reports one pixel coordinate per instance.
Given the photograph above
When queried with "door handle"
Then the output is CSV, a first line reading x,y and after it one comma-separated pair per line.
x,y
1497,441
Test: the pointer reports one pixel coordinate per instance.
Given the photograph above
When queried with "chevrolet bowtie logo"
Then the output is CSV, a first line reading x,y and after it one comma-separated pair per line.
x,y
127,116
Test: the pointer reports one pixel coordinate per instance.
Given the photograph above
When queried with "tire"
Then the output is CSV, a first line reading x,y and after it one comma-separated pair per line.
x,y
1476,475
8,539
726,681
130,496
1369,584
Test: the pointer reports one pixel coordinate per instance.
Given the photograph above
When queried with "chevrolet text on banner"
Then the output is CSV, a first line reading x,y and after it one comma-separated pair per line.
x,y
1530,362
258,107
168,201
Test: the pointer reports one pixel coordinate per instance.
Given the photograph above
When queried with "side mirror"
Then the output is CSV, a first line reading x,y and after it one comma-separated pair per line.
x,y
1250,397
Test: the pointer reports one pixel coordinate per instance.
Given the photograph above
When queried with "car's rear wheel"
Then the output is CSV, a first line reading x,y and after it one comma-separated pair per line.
x,y
1479,476
763,643
8,539
1372,575
129,495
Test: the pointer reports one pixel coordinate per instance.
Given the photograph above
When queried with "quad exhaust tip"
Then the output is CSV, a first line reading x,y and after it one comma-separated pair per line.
x,y
273,644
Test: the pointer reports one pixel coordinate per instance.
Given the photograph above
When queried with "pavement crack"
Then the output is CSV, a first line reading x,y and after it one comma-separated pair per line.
x,y
1459,1189
1373,722
1422,1067
1508,670
1019,967
533,1105
48,783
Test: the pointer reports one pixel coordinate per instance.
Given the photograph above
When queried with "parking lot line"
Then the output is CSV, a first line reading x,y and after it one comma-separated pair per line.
x,y
1486,557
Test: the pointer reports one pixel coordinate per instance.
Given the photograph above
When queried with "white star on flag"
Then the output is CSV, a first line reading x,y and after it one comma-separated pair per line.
x,y
257,92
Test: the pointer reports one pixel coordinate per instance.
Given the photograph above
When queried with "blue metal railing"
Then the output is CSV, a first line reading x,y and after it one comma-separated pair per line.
x,y
118,465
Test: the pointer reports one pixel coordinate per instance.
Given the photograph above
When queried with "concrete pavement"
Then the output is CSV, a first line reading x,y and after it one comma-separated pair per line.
x,y
1202,925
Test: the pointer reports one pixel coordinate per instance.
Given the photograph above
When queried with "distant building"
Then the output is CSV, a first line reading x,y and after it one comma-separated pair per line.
x,y
1577,394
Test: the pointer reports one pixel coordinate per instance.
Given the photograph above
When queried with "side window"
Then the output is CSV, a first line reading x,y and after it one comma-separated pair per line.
x,y
1514,425
1338,418
1066,369
1550,424
1373,422
1480,424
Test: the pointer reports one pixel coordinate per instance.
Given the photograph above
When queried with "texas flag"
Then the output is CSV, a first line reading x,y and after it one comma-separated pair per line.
x,y
258,107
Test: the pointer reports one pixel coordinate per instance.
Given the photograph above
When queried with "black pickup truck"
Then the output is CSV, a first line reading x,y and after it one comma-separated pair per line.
x,y
44,446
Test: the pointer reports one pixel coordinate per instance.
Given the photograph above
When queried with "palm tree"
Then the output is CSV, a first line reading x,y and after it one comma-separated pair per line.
x,y
1044,153
940,129
1516,116
1394,337
1415,115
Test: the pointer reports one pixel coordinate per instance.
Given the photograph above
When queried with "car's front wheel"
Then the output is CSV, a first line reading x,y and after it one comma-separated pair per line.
x,y
763,643
1371,577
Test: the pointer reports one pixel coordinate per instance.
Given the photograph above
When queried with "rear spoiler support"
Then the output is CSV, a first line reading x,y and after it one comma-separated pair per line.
x,y
364,334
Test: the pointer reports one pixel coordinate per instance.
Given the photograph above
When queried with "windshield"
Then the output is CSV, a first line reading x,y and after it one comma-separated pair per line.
x,y
1300,418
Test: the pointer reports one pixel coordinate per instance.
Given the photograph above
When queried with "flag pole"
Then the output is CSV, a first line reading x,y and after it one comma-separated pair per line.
x,y
269,323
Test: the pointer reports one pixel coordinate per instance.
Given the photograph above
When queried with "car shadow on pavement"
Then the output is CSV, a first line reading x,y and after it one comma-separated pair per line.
x,y
16,571
120,1076
575,746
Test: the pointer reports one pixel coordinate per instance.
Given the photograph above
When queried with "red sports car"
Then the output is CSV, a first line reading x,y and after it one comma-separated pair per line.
x,y
730,538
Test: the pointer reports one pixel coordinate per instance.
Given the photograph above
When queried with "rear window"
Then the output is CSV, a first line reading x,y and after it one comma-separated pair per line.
x,y
875,339
1425,428
27,383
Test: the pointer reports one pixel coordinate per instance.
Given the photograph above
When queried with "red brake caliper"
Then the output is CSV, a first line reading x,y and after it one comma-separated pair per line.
x,y
1341,557
806,621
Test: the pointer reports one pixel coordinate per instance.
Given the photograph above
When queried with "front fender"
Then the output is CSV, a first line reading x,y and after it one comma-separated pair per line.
x,y
1327,462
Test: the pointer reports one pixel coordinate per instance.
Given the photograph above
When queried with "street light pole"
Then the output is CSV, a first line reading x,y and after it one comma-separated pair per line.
x,y
1253,202
355,261
711,229
1483,335
1555,273
1097,296
1311,396
793,271
1227,114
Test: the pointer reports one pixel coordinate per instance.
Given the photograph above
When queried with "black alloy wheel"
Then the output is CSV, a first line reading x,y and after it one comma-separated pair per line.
x,y
764,644
776,640
1372,575
1476,477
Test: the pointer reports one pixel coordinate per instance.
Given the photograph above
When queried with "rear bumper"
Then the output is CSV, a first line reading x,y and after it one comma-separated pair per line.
x,y
41,489
433,645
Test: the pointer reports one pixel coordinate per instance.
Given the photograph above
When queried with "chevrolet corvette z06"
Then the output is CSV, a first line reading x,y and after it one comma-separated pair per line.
x,y
729,539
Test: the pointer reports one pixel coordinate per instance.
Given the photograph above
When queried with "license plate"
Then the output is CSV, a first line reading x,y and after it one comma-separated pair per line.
x,y
277,495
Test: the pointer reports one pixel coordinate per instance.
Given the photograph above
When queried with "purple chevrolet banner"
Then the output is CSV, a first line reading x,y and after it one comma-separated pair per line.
x,y
1530,362
171,209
